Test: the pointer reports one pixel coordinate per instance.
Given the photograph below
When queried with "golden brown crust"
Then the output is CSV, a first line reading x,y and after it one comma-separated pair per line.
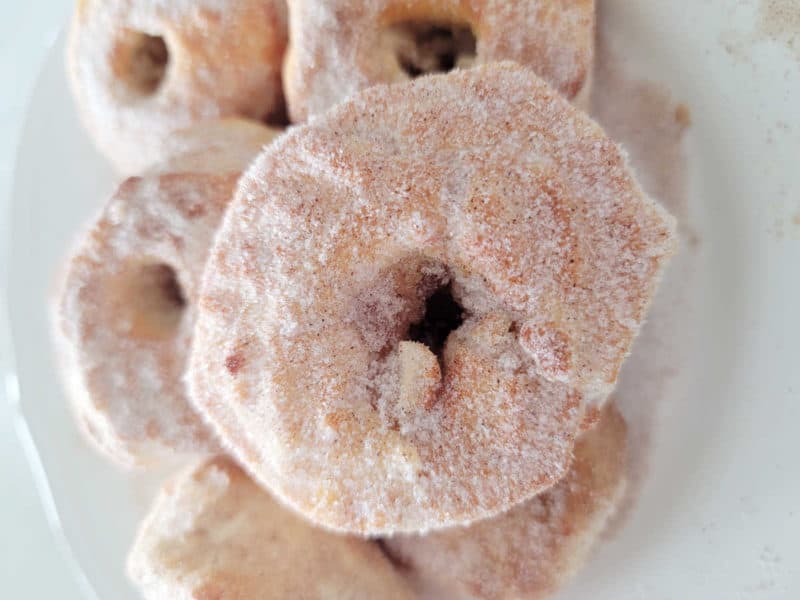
x,y
485,180
142,69
212,534
339,47
531,550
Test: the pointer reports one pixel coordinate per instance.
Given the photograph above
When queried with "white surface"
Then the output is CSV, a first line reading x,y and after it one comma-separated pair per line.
x,y
719,517
30,564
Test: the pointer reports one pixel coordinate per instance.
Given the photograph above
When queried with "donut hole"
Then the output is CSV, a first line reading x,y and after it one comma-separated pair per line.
x,y
443,315
399,562
427,47
141,61
278,116
151,301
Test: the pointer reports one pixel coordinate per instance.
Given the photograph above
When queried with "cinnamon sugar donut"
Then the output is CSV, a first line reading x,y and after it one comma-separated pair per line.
x,y
212,534
338,47
534,548
141,69
126,308
212,147
411,298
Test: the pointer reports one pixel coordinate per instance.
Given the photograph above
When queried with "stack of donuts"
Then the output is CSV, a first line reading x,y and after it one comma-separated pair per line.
x,y
370,275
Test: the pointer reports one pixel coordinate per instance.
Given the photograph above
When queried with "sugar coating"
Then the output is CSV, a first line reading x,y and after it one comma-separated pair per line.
x,y
534,548
122,334
224,59
216,146
338,47
486,180
214,534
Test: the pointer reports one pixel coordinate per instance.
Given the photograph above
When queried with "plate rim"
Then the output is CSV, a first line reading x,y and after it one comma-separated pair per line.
x,y
10,390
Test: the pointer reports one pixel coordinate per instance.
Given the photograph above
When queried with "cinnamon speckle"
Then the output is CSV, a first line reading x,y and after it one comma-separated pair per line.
x,y
195,210
683,115
152,430
234,362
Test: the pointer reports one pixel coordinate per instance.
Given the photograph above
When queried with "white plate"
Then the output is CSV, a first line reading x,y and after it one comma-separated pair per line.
x,y
712,389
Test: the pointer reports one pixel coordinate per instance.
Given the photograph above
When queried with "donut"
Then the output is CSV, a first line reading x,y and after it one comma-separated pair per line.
x,y
413,298
212,534
140,69
338,47
212,147
126,305
537,546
